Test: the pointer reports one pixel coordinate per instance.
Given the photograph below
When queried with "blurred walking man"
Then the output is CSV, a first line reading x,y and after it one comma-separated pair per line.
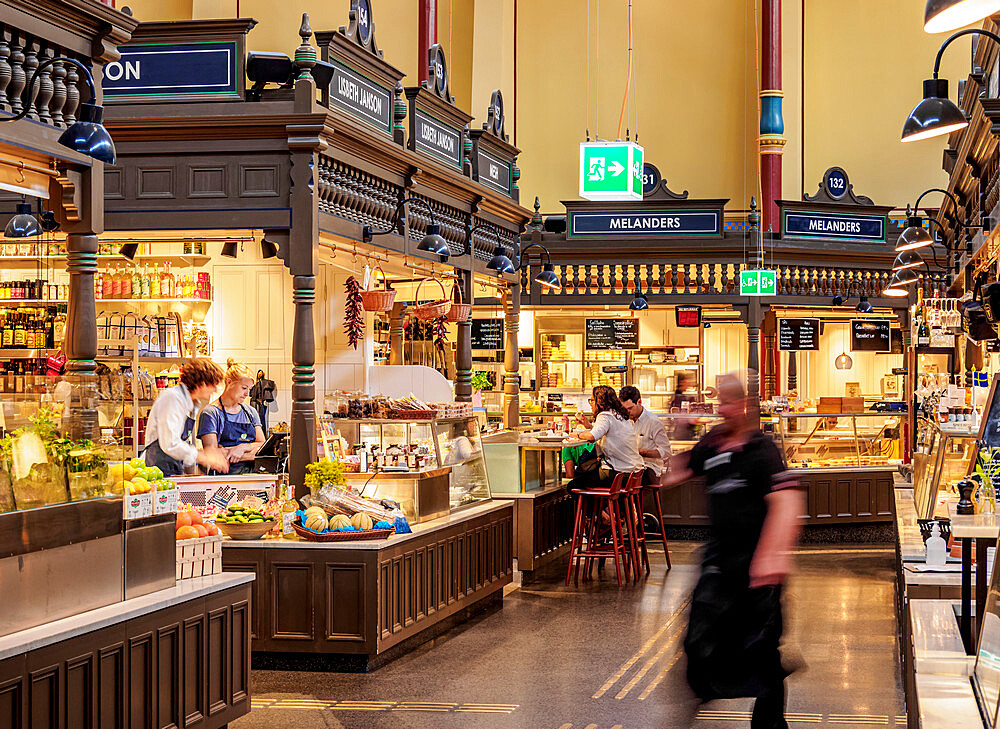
x,y
754,504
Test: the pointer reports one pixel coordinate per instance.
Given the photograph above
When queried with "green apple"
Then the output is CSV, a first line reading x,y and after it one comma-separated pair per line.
x,y
155,474
137,463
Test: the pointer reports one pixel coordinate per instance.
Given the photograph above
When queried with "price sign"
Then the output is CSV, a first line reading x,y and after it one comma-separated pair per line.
x,y
798,334
617,334
487,334
688,316
614,369
871,335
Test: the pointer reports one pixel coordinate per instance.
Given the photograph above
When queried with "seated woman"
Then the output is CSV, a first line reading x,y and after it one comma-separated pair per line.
x,y
232,425
614,433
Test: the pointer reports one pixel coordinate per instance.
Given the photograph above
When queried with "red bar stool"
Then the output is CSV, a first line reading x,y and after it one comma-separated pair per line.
x,y
594,501
660,536
636,529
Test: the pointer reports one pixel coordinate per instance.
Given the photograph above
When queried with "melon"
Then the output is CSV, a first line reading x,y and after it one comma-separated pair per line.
x,y
316,522
361,520
339,520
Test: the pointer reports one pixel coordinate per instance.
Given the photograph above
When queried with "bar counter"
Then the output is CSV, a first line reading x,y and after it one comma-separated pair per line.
x,y
356,605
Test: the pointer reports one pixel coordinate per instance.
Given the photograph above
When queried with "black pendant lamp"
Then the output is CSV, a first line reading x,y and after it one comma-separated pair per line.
x,y
907,259
268,249
639,303
229,249
899,284
936,114
864,306
432,242
547,278
499,262
23,224
915,235
128,250
87,135
940,16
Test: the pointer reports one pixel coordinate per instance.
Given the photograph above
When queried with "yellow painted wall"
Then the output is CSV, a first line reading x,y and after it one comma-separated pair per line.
x,y
695,93
153,10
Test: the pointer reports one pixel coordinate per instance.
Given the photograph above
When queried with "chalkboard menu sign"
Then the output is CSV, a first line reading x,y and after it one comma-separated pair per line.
x,y
612,334
796,334
871,335
487,334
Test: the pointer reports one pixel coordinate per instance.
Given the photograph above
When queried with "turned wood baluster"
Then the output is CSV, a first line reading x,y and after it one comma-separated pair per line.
x,y
72,95
58,92
649,278
673,279
589,278
30,65
712,267
44,85
17,79
700,279
5,70
576,278
600,279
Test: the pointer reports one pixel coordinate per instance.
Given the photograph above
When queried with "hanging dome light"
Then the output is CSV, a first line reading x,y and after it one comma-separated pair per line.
x,y
898,286
432,242
500,262
907,259
23,224
843,362
935,115
639,303
915,236
864,306
944,15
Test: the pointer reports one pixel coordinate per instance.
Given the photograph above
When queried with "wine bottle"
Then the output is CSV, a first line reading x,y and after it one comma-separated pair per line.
x,y
155,290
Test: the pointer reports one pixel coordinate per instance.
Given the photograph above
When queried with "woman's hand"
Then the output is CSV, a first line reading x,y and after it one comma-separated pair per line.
x,y
582,419
214,458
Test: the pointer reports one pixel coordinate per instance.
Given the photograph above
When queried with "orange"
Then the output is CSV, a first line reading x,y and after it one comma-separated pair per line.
x,y
213,531
187,532
201,529
196,518
183,519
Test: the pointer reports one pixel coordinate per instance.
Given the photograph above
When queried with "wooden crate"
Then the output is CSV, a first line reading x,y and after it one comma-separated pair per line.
x,y
199,557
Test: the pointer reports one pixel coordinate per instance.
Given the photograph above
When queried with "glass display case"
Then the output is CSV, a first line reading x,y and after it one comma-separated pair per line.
x,y
686,429
840,440
403,460
942,456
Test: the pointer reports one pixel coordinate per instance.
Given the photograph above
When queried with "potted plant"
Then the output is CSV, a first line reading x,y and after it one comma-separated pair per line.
x,y
481,380
322,473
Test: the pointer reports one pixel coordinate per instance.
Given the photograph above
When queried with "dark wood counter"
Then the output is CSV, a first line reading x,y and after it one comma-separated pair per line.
x,y
179,657
356,605
543,526
834,496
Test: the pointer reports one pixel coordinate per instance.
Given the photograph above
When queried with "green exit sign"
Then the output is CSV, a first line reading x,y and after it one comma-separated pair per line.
x,y
611,171
758,283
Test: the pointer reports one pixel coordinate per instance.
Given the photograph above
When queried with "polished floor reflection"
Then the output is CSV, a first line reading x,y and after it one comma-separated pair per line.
x,y
596,657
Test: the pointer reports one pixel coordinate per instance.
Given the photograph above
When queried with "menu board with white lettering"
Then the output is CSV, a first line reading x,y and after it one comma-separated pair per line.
x,y
612,334
871,335
797,334
487,334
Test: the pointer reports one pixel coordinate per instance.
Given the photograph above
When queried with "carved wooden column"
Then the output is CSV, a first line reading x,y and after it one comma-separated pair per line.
x,y
304,145
770,371
753,358
511,357
81,311
396,333
463,350
793,372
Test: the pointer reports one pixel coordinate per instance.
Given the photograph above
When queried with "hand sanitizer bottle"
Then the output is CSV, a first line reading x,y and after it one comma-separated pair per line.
x,y
937,553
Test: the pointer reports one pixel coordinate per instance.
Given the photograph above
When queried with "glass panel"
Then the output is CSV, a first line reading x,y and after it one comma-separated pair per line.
x,y
461,448
841,440
987,673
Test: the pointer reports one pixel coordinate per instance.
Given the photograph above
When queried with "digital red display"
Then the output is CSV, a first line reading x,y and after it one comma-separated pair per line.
x,y
689,316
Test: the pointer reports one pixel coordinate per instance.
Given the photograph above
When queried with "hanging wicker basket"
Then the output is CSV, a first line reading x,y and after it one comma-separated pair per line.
x,y
432,309
379,299
459,310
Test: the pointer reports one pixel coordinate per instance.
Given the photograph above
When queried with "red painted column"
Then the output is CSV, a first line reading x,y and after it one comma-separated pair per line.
x,y
772,126
426,33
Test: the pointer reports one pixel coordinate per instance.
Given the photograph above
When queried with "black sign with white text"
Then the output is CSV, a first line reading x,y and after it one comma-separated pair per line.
x,y
494,173
871,335
181,70
438,139
361,97
655,224
833,226
798,334
487,334
612,334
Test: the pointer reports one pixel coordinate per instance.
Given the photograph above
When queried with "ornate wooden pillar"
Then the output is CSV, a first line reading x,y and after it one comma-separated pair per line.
x,y
304,145
463,351
753,358
793,372
81,311
770,370
511,357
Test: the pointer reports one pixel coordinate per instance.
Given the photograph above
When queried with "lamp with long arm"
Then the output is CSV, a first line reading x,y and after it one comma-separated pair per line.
x,y
547,276
432,242
87,135
500,262
936,114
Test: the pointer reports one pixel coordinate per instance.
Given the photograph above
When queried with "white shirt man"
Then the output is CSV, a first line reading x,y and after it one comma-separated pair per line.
x,y
654,445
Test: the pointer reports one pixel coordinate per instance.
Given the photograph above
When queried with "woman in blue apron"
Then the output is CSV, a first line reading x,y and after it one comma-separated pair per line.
x,y
228,423
170,422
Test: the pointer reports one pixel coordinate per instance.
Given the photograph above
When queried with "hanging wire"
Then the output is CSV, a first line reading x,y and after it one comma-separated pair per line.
x,y
587,81
760,190
597,80
628,71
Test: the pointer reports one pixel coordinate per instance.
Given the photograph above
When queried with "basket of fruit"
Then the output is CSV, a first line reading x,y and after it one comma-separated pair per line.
x,y
241,523
314,526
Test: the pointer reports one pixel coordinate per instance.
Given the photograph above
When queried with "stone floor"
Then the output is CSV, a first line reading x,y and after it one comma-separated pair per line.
x,y
596,657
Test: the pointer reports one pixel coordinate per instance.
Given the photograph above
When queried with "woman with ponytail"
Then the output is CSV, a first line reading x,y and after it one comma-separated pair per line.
x,y
229,423
614,433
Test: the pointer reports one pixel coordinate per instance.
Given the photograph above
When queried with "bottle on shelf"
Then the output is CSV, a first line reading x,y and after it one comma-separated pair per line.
x,y
136,282
116,282
107,283
923,332
169,284
154,284
146,283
